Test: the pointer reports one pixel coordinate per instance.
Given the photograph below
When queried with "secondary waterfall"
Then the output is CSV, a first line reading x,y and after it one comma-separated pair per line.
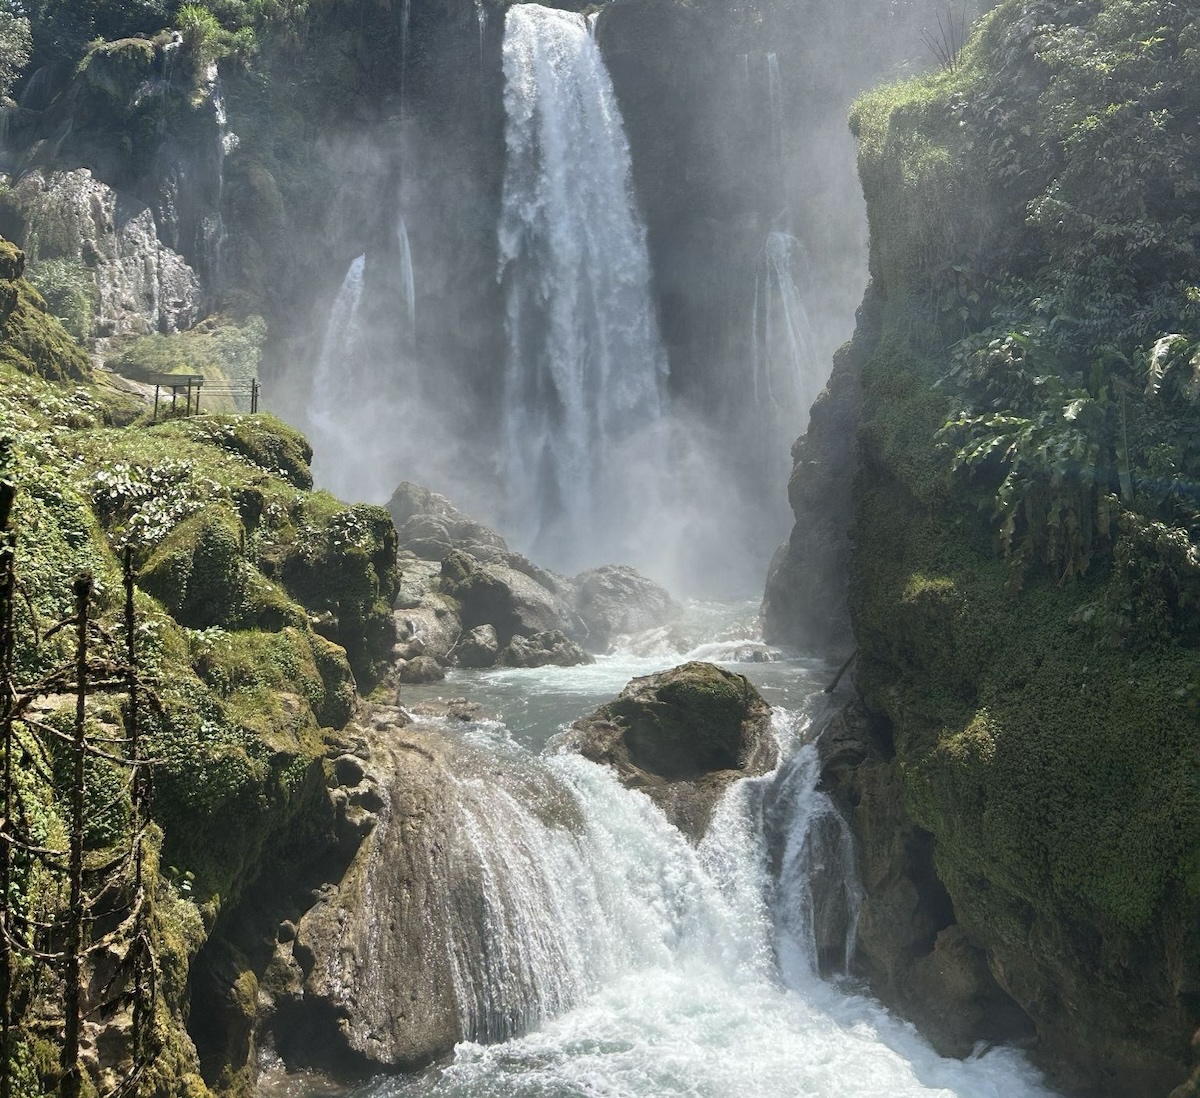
x,y
332,396
585,364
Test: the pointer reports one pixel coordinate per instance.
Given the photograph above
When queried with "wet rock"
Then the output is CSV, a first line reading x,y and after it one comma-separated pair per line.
x,y
616,600
478,647
430,629
376,946
681,736
510,601
422,669
455,709
542,650
909,948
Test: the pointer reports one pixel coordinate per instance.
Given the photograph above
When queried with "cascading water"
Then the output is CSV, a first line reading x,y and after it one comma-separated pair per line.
x,y
408,284
609,956
788,372
585,365
334,437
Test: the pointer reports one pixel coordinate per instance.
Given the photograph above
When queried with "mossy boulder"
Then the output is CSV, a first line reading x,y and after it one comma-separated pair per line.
x,y
198,573
681,736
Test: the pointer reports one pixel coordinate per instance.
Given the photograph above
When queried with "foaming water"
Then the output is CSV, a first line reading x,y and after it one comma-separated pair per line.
x,y
614,958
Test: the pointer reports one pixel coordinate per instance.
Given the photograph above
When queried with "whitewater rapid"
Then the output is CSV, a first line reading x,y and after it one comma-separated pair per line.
x,y
640,966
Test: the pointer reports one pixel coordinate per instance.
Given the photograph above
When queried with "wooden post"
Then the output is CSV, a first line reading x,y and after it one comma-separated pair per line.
x,y
71,1079
198,386
254,395
156,403
189,396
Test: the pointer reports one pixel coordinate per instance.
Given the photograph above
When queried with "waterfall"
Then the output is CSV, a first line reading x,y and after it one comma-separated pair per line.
x,y
775,103
787,371
585,364
608,885
599,952
214,235
408,286
333,396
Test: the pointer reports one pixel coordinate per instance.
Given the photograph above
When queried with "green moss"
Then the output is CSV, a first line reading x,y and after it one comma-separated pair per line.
x,y
33,341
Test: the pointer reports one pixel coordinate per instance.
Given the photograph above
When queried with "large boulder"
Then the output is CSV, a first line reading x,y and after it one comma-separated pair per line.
x,y
510,601
551,648
387,968
429,629
478,647
616,600
682,736
429,526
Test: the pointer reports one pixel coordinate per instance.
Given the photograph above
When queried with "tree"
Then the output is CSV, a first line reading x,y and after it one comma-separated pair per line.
x,y
16,47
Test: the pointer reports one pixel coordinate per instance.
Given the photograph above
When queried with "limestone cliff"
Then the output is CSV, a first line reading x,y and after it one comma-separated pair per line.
x,y
1023,559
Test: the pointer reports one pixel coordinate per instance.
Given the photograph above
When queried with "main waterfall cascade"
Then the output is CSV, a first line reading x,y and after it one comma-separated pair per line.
x,y
583,382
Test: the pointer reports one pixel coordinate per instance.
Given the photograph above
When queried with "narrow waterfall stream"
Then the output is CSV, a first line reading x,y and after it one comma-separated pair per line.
x,y
629,962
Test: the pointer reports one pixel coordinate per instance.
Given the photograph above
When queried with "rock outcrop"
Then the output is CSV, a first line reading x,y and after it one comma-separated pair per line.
x,y
551,647
380,972
681,736
617,600
510,601
141,284
805,605
908,946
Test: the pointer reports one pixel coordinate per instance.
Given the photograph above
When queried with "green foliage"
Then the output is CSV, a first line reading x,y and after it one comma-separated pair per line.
x,y
30,338
16,47
62,29
69,289
221,350
1025,584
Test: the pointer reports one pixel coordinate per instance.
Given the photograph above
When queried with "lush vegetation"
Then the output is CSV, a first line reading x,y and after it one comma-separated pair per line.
x,y
258,603
1027,573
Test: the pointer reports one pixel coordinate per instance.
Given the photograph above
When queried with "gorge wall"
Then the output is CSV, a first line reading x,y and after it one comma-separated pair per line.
x,y
1022,562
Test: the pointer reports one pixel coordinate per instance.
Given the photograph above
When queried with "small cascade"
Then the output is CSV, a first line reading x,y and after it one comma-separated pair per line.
x,y
481,20
213,232
585,363
405,13
787,372
408,287
328,411
602,883
775,103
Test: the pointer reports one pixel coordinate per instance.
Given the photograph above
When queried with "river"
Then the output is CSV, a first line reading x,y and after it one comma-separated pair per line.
x,y
686,972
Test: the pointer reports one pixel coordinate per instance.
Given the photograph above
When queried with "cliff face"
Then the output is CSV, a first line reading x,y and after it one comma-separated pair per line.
x,y
1023,567
258,603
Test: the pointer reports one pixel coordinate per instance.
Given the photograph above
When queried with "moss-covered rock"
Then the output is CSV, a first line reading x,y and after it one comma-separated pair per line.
x,y
682,736
31,340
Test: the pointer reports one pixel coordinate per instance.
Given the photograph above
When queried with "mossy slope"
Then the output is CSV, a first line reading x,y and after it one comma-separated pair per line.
x,y
259,602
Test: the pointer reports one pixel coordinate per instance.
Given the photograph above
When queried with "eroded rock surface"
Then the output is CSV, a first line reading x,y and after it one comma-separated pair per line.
x,y
682,736
141,284
379,972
